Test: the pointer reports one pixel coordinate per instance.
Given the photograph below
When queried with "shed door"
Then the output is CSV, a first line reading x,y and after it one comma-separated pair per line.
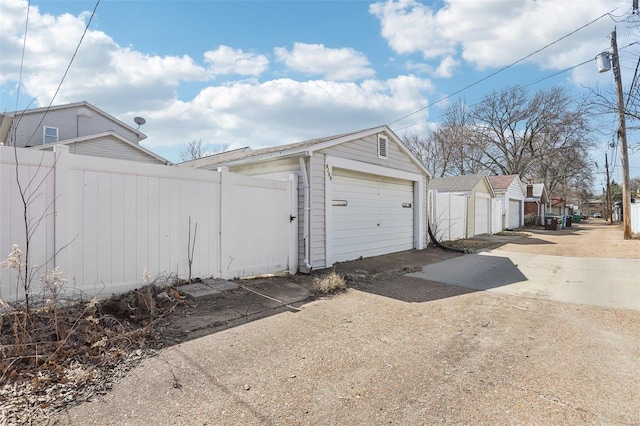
x,y
482,214
372,215
514,214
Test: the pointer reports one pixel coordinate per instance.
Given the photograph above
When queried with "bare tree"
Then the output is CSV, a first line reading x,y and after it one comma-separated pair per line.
x,y
197,149
445,151
546,136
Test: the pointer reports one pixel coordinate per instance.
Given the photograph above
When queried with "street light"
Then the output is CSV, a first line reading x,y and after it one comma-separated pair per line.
x,y
605,62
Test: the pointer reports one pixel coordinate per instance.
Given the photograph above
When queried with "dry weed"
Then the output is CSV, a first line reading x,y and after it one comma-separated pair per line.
x,y
329,284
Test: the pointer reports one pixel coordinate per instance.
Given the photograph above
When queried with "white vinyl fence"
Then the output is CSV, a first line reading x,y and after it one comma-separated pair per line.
x,y
103,222
448,216
635,218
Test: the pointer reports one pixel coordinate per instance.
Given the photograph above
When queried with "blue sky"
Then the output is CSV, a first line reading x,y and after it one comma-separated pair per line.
x,y
262,73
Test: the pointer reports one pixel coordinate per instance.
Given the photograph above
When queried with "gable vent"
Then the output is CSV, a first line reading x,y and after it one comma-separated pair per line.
x,y
382,147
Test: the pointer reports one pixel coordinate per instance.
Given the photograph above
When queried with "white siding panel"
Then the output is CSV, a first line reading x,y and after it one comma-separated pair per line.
x,y
69,125
366,150
317,214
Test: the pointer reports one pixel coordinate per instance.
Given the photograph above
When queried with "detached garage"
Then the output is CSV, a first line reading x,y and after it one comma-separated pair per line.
x,y
478,193
360,194
511,194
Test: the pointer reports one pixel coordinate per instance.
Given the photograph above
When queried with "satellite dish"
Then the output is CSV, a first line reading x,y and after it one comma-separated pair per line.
x,y
139,121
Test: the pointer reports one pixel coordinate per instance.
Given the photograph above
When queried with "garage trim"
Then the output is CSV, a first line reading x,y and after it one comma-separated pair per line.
x,y
357,166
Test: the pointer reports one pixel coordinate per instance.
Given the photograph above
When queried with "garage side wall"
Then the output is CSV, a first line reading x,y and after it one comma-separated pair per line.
x,y
514,192
366,150
317,216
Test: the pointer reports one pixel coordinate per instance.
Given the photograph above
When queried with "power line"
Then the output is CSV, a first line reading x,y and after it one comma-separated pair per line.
x,y
24,46
420,120
504,68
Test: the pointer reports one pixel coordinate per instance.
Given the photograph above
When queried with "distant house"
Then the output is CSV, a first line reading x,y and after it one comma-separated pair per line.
x,y
593,207
510,194
84,128
361,194
558,206
478,193
535,203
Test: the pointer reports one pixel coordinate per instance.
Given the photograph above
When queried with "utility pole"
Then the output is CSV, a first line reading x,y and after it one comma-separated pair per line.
x,y
622,134
609,201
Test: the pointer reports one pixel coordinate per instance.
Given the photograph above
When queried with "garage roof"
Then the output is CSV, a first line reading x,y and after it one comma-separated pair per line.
x,y
246,155
463,183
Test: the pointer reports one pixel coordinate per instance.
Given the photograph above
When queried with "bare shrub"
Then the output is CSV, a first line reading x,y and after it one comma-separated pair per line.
x,y
329,284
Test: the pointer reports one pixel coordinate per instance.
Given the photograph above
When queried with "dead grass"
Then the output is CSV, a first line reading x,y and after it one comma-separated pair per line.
x,y
329,284
54,356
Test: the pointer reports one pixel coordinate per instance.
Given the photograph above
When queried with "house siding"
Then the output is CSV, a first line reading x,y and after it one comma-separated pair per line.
x,y
69,125
109,147
366,150
317,219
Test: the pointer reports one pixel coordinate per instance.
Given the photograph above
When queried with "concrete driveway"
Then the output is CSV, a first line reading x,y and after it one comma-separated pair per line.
x,y
405,350
613,283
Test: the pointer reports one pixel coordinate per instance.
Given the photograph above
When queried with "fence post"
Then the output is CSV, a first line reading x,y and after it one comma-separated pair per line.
x,y
225,197
61,208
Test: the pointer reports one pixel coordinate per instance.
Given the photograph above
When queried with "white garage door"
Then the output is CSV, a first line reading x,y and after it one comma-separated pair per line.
x,y
372,215
482,215
514,214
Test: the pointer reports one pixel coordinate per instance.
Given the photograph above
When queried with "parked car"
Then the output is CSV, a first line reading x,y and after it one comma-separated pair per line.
x,y
597,215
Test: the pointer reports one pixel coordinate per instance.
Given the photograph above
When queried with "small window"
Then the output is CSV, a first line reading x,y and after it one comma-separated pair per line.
x,y
50,134
382,147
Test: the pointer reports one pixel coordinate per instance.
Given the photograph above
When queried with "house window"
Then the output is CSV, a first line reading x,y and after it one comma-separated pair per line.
x,y
382,147
50,134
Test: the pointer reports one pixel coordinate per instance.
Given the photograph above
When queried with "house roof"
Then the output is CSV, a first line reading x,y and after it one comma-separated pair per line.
x,y
82,104
459,183
537,191
502,182
247,155
110,133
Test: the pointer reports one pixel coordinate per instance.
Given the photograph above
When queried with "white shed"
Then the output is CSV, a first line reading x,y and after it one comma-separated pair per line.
x,y
361,194
510,195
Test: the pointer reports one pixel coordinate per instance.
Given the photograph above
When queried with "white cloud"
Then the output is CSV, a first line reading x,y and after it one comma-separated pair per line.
x,y
342,64
103,72
225,60
283,110
411,27
494,33
447,67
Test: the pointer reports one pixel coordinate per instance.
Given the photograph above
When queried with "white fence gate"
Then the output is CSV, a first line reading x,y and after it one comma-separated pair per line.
x,y
103,222
448,216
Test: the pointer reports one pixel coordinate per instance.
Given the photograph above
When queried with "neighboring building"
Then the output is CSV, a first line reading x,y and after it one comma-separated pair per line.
x,y
81,126
510,194
535,203
593,207
558,206
478,192
361,194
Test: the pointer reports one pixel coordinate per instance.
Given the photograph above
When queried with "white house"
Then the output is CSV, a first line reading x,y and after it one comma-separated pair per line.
x,y
84,128
361,194
477,193
510,196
